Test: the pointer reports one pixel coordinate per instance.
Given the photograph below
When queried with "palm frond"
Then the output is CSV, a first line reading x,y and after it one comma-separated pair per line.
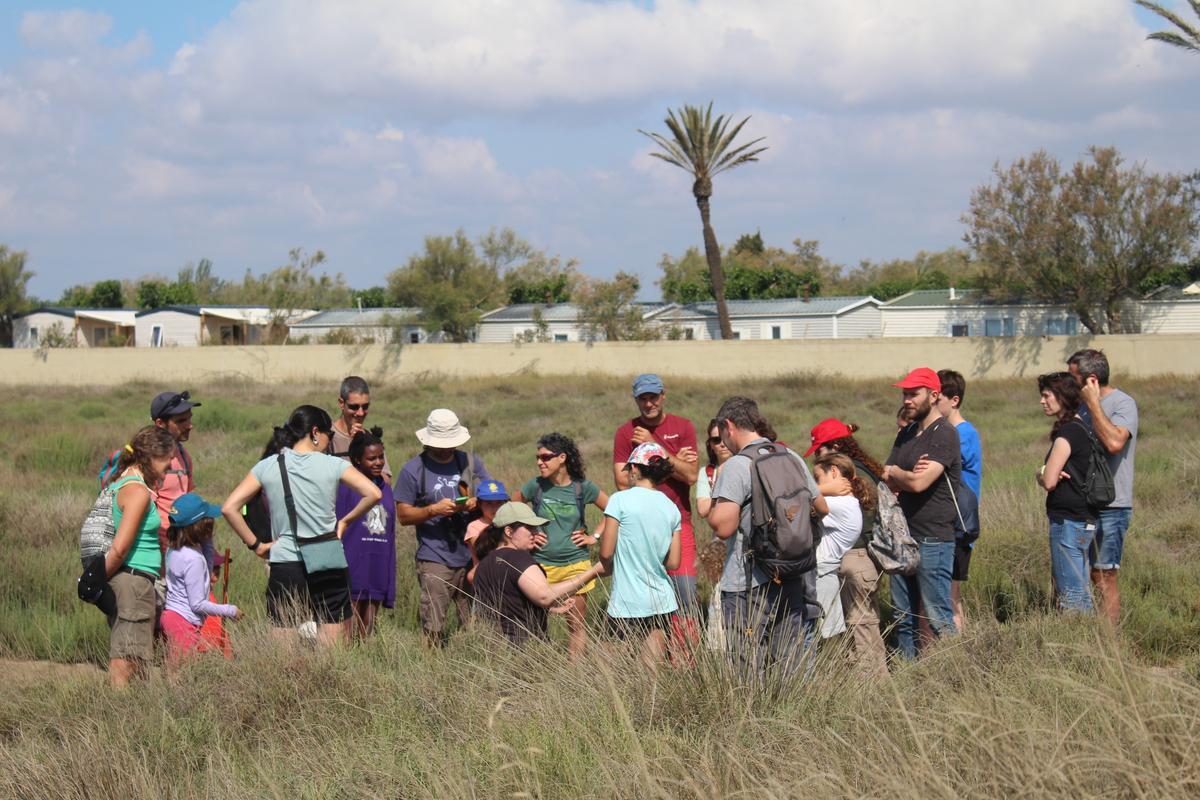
x,y
701,144
1190,37
1176,39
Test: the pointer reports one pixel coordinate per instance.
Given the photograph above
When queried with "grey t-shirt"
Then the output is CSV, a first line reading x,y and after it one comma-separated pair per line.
x,y
314,479
1122,411
734,485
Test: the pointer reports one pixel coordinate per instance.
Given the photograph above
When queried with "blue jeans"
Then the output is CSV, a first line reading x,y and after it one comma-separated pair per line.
x,y
1070,541
1109,545
929,588
767,626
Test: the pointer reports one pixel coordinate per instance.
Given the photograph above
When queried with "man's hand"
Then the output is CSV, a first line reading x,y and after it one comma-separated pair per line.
x,y
1090,391
922,464
443,507
355,427
642,435
688,455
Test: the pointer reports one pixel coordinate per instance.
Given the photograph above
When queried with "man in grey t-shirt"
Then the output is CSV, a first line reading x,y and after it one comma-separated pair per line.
x,y
1113,415
775,618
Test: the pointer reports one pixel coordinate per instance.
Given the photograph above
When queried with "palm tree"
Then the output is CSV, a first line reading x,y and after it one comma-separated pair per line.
x,y
1189,36
703,147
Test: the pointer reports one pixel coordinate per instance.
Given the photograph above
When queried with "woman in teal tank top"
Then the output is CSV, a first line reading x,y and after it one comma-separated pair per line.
x,y
134,559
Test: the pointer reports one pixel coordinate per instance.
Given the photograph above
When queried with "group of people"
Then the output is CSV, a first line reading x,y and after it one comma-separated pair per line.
x,y
322,506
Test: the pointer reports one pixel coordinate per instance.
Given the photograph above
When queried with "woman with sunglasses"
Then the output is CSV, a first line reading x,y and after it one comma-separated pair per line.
x,y
511,589
712,556
561,493
1072,520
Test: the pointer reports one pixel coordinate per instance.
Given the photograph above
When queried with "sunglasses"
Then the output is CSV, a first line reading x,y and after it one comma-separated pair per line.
x,y
358,406
714,440
547,456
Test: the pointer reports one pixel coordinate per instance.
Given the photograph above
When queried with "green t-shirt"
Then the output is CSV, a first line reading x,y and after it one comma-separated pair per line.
x,y
145,553
560,507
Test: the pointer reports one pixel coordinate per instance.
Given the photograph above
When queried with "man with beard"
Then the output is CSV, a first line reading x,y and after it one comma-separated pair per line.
x,y
925,461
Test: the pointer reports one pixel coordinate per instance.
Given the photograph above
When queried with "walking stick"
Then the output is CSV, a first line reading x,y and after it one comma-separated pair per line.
x,y
225,579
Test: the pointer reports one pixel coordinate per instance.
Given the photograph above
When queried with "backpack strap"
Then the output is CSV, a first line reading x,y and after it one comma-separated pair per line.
x,y
580,504
288,501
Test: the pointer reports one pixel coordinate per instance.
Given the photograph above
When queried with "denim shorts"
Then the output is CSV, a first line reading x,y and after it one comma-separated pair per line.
x,y
1109,545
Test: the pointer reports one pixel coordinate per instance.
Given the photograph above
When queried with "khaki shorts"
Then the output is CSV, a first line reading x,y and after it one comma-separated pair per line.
x,y
562,574
131,633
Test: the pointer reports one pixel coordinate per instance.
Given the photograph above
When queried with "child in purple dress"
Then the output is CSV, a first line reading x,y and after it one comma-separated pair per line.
x,y
370,542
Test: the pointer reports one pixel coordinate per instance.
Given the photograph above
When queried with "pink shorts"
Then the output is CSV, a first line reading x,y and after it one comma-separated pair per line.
x,y
183,638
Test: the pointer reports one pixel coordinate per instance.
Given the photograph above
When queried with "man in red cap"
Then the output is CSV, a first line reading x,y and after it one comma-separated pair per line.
x,y
925,461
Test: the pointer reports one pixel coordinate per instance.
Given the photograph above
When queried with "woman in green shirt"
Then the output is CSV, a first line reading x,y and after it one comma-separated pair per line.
x,y
134,560
561,493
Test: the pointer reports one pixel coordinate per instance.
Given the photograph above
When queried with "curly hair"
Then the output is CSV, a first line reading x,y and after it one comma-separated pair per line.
x,y
361,441
850,446
147,444
1065,389
561,443
863,493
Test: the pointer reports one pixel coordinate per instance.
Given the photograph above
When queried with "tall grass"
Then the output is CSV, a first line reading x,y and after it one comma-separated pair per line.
x,y
1029,703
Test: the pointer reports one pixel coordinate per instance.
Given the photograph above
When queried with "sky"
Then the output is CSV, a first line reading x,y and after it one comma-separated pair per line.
x,y
138,137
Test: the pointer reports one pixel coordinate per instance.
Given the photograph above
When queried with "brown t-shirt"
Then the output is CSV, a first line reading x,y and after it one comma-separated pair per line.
x,y
339,445
499,598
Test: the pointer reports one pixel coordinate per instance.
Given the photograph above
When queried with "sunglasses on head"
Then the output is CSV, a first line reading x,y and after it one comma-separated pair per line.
x,y
357,406
547,456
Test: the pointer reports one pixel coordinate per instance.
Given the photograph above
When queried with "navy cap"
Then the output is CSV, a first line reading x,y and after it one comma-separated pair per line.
x,y
647,384
170,404
190,508
492,490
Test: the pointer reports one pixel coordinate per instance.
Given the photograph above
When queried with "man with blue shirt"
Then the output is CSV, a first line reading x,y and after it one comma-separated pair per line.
x,y
954,388
1113,416
435,493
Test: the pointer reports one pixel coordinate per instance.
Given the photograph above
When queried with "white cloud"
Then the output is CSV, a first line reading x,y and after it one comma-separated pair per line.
x,y
64,30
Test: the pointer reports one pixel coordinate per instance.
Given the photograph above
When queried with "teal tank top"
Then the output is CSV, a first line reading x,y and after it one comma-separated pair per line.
x,y
145,553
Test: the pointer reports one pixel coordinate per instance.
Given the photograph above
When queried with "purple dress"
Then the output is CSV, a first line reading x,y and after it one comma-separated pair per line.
x,y
370,544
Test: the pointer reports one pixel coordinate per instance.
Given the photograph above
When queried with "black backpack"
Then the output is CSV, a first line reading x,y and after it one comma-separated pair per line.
x,y
1099,489
536,501
781,540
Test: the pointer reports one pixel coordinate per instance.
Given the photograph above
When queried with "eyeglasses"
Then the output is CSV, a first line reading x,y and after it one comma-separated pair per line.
x,y
357,406
714,440
547,456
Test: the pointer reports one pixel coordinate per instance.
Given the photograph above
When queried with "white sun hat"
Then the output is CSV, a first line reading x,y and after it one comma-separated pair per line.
x,y
442,429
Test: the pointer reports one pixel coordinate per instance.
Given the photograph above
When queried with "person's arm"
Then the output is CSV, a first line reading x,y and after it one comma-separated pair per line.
x,y
620,477
1111,435
608,542
134,501
231,510
1053,470
703,493
581,537
370,495
724,517
196,588
415,515
675,551
903,480
533,584
685,465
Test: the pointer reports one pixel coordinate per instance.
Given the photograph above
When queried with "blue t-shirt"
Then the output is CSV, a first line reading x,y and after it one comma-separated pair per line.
x,y
314,480
640,584
440,539
972,456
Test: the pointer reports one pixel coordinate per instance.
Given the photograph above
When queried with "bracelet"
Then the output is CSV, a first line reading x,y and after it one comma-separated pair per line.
x,y
253,546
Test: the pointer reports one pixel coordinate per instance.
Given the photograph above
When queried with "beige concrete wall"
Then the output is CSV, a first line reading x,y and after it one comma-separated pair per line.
x,y
1142,356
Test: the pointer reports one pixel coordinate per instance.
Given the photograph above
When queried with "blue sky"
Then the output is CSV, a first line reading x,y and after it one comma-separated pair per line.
x,y
136,137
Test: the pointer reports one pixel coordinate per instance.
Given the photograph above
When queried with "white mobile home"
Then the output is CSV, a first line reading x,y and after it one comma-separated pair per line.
x,y
965,312
188,326
362,325
74,327
1171,309
785,318
555,322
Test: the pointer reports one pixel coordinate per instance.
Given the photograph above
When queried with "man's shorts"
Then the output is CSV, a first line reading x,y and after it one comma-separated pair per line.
x,y
292,591
1109,544
565,573
131,629
962,561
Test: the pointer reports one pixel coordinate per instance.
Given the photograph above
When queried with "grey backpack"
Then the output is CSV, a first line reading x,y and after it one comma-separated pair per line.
x,y
781,541
892,547
97,532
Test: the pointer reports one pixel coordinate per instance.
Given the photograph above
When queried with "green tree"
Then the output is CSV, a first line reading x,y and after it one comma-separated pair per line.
x,y
451,285
195,283
607,309
530,275
291,287
1085,238
106,294
13,280
1188,37
372,297
76,296
704,147
752,271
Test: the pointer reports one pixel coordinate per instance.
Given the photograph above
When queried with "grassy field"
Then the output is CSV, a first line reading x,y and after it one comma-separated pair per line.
x,y
1028,703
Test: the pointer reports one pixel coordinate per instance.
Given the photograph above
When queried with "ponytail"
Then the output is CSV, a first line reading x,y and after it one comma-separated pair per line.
x,y
300,423
488,540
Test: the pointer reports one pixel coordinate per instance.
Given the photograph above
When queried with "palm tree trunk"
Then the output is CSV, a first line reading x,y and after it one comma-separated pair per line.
x,y
712,253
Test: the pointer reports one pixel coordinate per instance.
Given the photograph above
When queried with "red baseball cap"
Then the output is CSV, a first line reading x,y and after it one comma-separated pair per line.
x,y
826,431
921,377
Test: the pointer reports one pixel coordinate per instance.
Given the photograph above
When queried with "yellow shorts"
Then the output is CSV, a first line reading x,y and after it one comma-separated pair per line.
x,y
559,574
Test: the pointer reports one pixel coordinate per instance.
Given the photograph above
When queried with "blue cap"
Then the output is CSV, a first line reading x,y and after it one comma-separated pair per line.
x,y
647,384
190,508
492,490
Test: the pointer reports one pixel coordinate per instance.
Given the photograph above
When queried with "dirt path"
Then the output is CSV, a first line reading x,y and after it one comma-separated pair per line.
x,y
22,673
